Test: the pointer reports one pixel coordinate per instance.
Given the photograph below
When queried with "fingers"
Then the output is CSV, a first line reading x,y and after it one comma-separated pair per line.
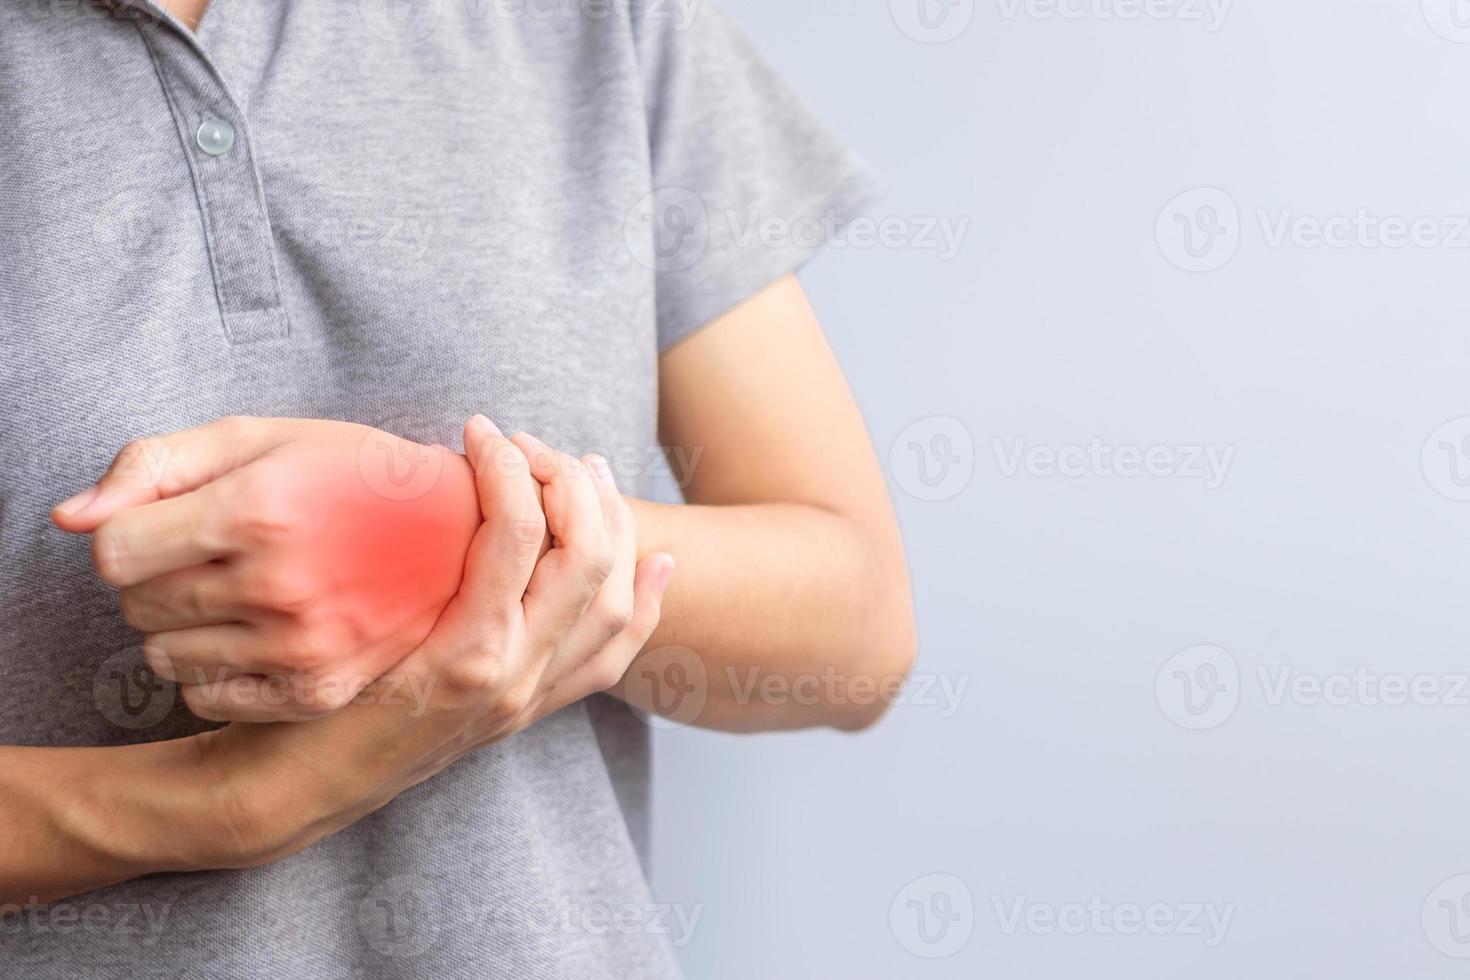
x,y
142,542
614,602
582,555
511,537
606,669
612,608
160,467
253,698
205,595
211,653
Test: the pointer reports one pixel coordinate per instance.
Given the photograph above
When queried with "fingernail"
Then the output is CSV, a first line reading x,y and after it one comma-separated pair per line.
x,y
81,500
666,575
484,424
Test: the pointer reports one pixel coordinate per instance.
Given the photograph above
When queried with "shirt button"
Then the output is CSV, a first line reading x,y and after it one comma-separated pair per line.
x,y
215,136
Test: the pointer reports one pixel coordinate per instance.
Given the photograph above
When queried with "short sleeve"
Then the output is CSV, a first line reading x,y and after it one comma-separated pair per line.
x,y
747,182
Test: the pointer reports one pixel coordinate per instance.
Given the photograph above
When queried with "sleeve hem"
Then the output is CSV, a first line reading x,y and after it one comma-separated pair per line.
x,y
743,272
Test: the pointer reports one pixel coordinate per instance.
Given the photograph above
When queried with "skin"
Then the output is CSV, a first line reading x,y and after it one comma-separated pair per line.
x,y
529,631
790,565
189,12
287,551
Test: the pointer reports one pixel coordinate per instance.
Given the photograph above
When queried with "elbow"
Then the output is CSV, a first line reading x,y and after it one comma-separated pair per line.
x,y
887,646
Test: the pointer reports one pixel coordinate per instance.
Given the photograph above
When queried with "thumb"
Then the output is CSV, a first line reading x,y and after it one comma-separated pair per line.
x,y
512,536
158,467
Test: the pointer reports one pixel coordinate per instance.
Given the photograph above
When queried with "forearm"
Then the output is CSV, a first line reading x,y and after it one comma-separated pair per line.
x,y
792,611
77,819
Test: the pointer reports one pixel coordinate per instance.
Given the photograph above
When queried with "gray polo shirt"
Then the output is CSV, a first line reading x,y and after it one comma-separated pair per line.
x,y
399,214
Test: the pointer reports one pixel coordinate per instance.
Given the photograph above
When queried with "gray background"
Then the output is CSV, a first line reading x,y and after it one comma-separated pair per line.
x,y
1074,767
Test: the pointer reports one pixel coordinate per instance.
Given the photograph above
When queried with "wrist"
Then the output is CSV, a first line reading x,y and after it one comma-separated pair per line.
x,y
275,789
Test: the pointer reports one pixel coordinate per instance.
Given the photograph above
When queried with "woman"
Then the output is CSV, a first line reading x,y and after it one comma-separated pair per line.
x,y
263,234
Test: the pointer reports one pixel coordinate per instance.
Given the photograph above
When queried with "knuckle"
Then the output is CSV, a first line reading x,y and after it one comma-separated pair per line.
x,y
133,452
526,535
312,654
607,672
133,607
513,702
265,513
596,562
505,460
203,703
616,613
475,675
158,659
144,461
321,700
284,589
107,555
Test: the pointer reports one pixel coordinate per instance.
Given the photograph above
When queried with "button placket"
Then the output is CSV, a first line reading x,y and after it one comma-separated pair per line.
x,y
216,139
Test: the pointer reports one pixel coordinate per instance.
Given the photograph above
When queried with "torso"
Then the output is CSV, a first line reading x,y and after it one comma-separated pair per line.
x,y
445,236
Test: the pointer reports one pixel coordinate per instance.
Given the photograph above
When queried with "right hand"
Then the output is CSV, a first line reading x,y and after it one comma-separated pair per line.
x,y
278,566
526,635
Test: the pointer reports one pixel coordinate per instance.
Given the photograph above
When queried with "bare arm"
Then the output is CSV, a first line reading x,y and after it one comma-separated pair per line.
x,y
790,569
792,591
76,819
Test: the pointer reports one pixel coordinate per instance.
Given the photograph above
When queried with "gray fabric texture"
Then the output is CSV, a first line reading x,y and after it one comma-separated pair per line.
x,y
430,210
